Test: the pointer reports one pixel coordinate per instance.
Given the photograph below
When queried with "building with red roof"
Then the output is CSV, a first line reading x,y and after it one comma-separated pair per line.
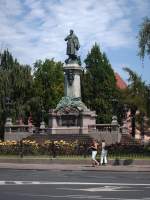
x,y
120,83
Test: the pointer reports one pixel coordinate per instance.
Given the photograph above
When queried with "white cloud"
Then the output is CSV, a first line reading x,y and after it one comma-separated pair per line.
x,y
34,29
10,8
35,9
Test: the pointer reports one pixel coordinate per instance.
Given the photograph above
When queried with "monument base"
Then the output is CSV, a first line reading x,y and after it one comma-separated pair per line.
x,y
71,123
71,115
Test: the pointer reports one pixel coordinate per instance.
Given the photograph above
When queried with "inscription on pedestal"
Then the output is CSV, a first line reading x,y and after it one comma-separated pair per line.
x,y
68,120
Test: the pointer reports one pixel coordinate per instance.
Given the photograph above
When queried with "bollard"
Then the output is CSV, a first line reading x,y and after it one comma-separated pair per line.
x,y
53,150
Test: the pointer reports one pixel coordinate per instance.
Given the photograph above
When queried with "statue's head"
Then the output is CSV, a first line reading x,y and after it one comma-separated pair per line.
x,y
71,32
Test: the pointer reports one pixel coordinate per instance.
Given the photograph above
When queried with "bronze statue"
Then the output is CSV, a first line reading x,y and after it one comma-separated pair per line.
x,y
72,47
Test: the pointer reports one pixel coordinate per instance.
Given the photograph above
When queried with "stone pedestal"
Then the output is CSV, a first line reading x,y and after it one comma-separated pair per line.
x,y
72,80
71,123
8,125
114,120
88,119
42,127
8,122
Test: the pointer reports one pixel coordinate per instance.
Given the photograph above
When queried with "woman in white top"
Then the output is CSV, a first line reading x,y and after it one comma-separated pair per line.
x,y
103,159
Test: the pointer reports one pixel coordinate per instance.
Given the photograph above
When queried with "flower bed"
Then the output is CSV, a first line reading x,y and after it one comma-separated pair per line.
x,y
51,148
72,148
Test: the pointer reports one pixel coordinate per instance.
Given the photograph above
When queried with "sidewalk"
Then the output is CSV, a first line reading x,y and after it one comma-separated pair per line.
x,y
73,165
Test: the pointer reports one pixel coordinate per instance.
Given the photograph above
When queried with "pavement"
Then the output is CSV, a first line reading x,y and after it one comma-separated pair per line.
x,y
74,165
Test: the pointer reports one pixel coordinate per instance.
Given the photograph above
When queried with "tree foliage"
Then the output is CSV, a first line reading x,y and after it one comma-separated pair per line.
x,y
48,85
15,84
28,93
144,38
136,93
136,97
31,92
99,84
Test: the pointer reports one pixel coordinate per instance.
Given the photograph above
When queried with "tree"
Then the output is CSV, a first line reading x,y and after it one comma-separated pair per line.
x,y
135,96
48,85
144,38
148,100
28,93
98,84
15,83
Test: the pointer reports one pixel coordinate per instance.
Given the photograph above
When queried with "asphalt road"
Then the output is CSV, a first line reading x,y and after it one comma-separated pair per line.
x,y
71,185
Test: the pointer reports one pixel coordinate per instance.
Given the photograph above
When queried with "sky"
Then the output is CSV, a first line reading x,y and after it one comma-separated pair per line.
x,y
35,29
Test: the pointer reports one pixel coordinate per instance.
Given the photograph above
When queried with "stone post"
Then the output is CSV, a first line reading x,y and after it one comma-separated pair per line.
x,y
8,124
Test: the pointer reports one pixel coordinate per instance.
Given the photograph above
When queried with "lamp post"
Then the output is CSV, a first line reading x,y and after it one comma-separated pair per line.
x,y
125,125
142,126
133,120
8,104
114,103
45,84
43,111
125,110
42,124
114,117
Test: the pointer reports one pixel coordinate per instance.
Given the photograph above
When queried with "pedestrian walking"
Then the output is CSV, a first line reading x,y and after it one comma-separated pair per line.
x,y
94,147
104,151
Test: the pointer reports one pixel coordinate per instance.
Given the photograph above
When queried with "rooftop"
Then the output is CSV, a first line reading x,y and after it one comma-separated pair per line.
x,y
120,83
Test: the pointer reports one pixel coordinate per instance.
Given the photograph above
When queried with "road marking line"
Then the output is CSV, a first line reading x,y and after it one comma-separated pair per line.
x,y
69,183
103,189
18,182
2,182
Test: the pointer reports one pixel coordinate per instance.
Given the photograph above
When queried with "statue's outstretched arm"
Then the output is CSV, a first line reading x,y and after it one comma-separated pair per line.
x,y
66,38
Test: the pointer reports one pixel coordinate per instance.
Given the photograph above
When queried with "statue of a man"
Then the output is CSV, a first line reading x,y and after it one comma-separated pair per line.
x,y
72,47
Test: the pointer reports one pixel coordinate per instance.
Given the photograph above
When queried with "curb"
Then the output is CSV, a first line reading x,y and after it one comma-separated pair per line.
x,y
113,162
72,167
